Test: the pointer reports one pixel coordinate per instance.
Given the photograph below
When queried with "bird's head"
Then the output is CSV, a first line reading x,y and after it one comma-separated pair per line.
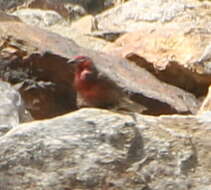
x,y
81,62
85,69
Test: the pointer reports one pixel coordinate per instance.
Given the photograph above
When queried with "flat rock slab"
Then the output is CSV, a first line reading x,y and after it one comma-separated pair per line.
x,y
175,54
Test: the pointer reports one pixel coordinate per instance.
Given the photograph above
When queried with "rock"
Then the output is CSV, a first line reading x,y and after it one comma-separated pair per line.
x,y
81,31
38,17
143,87
69,152
42,70
47,92
206,105
5,17
97,149
134,15
168,52
39,59
84,25
165,39
70,9
74,11
12,109
89,27
83,40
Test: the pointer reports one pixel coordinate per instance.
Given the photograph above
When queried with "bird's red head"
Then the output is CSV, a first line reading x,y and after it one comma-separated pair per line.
x,y
82,63
85,71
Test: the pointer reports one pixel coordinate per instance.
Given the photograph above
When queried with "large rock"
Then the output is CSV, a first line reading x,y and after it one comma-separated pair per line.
x,y
96,149
173,53
39,59
34,59
69,152
171,39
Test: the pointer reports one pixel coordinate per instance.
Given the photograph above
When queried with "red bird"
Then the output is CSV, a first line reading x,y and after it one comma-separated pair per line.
x,y
95,90
92,89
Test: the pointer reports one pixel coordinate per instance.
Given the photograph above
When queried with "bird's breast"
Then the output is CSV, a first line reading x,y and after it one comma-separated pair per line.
x,y
96,93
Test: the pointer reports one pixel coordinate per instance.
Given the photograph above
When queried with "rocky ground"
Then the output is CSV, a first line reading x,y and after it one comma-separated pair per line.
x,y
157,53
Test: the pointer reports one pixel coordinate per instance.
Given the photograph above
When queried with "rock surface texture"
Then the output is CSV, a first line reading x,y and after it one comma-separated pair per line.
x,y
12,108
96,149
154,55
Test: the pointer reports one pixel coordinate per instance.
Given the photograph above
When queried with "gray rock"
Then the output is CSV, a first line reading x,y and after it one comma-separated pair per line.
x,y
11,107
97,149
74,150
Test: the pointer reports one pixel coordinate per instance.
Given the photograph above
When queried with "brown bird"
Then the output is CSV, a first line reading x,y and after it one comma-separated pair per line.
x,y
95,90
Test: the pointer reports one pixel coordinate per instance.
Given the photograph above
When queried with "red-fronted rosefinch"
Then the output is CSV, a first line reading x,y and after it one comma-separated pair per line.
x,y
95,90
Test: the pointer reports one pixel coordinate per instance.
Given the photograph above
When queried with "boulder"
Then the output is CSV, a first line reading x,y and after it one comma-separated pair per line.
x,y
97,149
174,54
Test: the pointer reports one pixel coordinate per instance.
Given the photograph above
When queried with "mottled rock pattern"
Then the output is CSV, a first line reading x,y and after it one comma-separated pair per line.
x,y
96,149
12,108
168,38
168,52
69,152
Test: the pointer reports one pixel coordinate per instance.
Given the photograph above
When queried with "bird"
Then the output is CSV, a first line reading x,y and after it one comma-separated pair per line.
x,y
94,89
